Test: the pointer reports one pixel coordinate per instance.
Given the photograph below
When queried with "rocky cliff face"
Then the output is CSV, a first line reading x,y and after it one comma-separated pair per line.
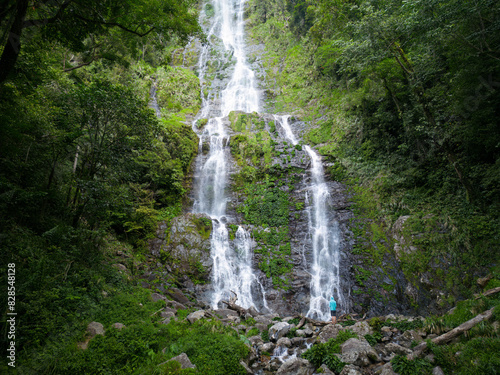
x,y
268,183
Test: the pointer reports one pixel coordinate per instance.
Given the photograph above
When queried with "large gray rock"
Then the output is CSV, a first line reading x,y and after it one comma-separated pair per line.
x,y
361,328
437,371
325,370
385,370
183,359
397,349
358,352
351,370
188,245
278,330
178,296
296,366
94,329
328,332
197,315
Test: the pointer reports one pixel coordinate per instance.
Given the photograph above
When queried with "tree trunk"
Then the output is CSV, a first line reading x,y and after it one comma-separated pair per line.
x,y
450,335
13,44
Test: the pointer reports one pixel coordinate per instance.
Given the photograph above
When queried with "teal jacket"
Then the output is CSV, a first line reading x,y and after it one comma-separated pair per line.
x,y
333,304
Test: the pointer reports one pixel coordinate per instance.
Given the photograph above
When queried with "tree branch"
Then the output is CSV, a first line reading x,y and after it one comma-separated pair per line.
x,y
44,21
117,25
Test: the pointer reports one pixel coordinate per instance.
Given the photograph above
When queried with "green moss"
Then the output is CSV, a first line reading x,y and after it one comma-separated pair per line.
x,y
203,226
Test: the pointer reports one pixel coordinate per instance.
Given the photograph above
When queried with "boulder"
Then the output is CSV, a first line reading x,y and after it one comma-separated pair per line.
x,y
325,370
255,340
358,352
385,370
157,297
178,296
167,314
397,349
296,366
328,332
361,328
188,245
351,370
176,305
263,320
94,329
278,330
437,371
197,315
267,347
183,359
167,310
285,342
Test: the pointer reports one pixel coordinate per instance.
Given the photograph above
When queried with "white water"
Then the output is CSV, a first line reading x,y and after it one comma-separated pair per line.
x,y
232,270
325,269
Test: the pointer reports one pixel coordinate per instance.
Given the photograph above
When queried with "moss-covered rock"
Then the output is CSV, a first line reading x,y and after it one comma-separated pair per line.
x,y
187,247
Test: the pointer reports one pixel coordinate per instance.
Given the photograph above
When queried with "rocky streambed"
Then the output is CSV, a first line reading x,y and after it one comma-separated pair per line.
x,y
295,345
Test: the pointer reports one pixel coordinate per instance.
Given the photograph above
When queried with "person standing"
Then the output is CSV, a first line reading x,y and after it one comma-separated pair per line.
x,y
333,310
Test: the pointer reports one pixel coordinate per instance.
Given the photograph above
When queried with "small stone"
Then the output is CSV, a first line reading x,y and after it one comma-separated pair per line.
x,y
118,326
167,314
484,280
157,297
120,267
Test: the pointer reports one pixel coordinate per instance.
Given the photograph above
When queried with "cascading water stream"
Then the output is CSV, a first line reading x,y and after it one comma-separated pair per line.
x,y
325,269
232,270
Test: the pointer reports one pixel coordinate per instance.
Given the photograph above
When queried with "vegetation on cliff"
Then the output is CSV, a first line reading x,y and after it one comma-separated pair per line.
x,y
404,98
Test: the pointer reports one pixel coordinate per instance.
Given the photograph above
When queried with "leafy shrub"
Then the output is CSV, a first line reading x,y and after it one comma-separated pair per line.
x,y
253,332
265,336
403,366
325,353
373,339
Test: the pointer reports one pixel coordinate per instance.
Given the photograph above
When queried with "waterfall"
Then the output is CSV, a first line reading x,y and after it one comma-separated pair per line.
x,y
325,269
153,102
232,270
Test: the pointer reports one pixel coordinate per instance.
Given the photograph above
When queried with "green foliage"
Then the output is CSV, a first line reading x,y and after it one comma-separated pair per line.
x,y
463,311
253,332
178,90
405,325
325,353
265,336
373,339
403,366
265,204
476,356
